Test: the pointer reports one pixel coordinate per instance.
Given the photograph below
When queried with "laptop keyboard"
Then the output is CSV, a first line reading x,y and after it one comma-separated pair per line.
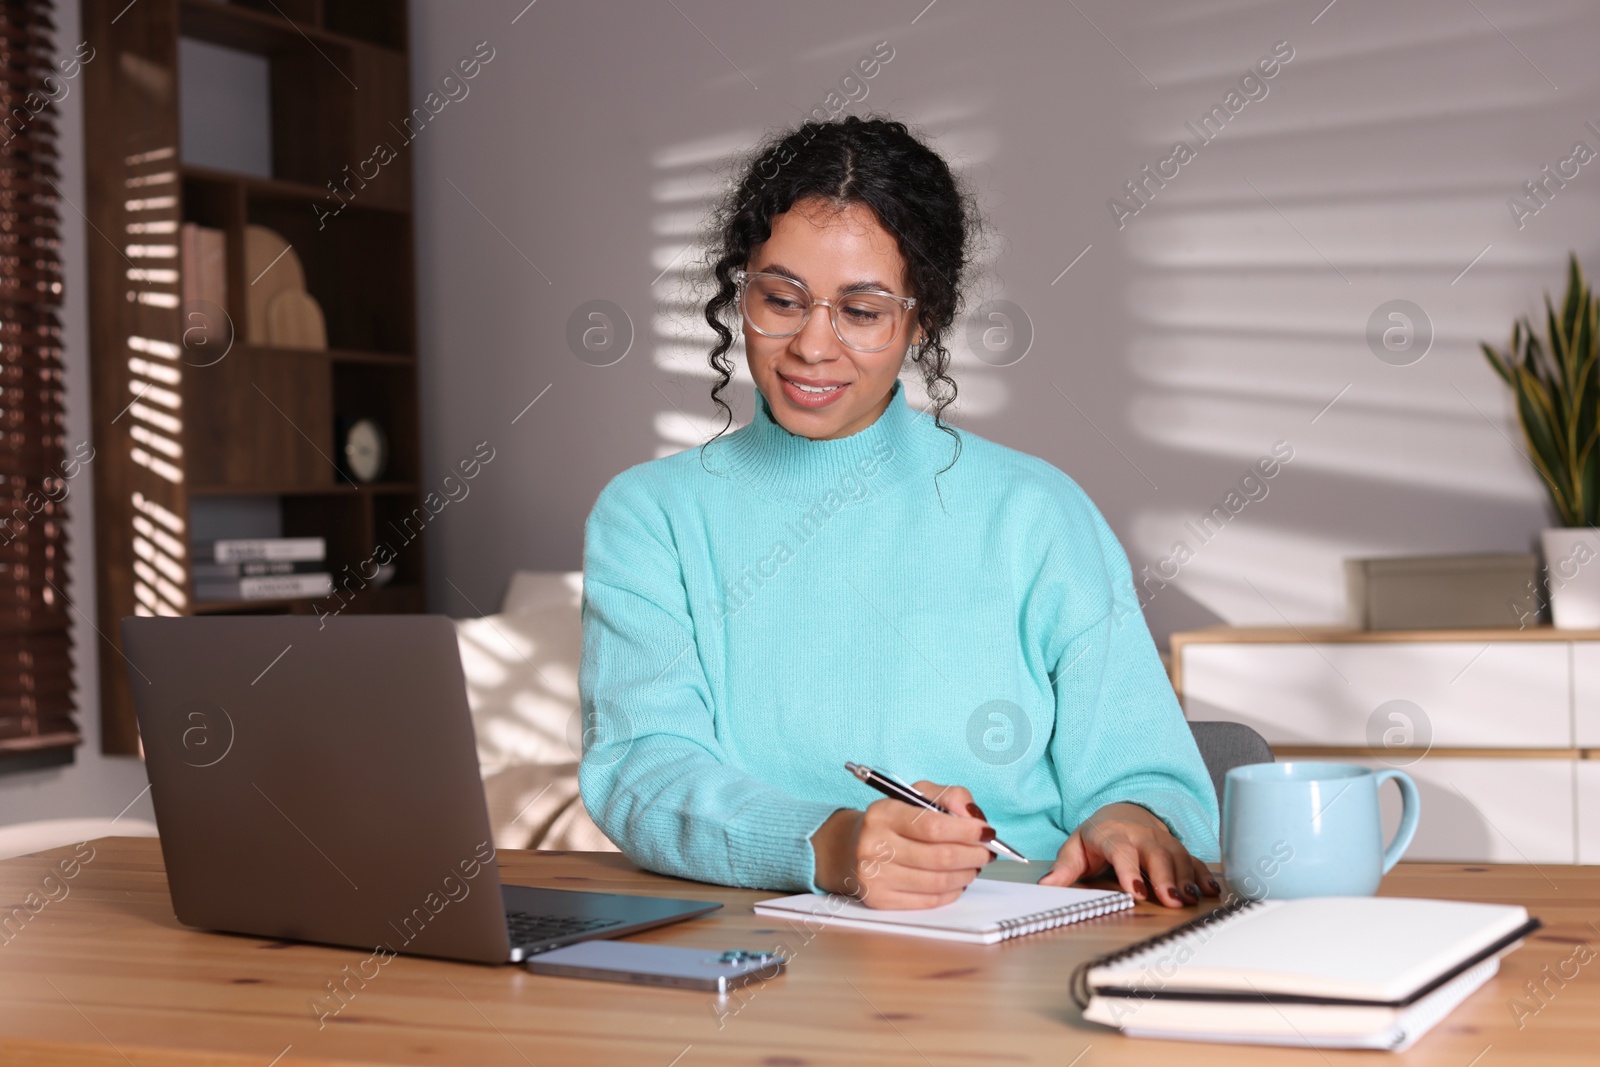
x,y
529,929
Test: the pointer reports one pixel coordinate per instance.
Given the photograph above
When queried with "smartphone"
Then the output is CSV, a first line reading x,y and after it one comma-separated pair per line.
x,y
661,965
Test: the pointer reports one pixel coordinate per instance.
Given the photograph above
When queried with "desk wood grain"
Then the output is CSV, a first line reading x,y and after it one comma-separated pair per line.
x,y
104,975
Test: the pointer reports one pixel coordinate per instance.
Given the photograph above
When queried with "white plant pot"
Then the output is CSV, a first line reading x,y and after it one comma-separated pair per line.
x,y
1572,567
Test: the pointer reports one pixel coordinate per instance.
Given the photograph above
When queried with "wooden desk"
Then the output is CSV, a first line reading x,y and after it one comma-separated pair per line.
x,y
105,976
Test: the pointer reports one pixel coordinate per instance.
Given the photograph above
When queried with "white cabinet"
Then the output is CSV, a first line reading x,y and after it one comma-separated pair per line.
x,y
1586,694
1588,794
1472,695
1487,810
1496,727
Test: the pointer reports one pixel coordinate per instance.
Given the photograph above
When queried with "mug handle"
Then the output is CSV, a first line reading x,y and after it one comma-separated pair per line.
x,y
1410,813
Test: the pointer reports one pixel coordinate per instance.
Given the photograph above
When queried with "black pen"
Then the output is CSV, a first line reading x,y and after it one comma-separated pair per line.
x,y
890,786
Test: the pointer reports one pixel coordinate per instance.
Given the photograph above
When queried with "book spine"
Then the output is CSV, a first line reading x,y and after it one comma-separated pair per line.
x,y
227,572
189,263
213,248
270,587
240,550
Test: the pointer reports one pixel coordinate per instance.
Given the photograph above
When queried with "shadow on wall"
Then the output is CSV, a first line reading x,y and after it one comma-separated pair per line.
x,y
1375,165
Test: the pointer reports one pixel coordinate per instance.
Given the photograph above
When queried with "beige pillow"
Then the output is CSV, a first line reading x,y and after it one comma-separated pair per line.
x,y
540,589
522,684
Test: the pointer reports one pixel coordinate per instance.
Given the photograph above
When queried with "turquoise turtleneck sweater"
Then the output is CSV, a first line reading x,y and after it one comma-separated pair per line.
x,y
760,611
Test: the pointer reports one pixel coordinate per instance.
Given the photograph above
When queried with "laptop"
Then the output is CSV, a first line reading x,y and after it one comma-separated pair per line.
x,y
316,779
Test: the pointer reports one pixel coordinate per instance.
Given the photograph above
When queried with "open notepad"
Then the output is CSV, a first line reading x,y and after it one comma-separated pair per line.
x,y
988,911
1328,972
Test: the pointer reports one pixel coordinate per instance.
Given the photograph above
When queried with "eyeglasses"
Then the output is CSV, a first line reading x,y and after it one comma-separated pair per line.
x,y
775,306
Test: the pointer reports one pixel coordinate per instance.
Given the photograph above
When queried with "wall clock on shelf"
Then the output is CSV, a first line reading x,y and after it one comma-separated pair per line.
x,y
363,449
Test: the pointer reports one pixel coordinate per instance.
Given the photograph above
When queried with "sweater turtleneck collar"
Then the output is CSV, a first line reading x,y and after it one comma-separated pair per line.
x,y
902,443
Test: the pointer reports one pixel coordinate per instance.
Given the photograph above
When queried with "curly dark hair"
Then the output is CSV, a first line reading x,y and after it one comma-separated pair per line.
x,y
875,161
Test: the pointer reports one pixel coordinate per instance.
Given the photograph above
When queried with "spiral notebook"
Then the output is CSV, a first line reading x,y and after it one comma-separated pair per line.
x,y
1325,972
988,911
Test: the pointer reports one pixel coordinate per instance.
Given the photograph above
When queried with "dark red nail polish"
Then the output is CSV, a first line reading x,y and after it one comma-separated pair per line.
x,y
1215,888
987,834
1140,889
976,812
1191,891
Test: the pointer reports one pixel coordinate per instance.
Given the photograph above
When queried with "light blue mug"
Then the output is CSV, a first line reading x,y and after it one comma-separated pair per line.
x,y
1310,829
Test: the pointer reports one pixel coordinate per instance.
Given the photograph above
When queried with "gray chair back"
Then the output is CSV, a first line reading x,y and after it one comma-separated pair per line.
x,y
1225,745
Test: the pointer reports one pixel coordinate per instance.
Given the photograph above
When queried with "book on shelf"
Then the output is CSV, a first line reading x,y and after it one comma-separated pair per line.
x,y
248,549
204,571
203,258
266,587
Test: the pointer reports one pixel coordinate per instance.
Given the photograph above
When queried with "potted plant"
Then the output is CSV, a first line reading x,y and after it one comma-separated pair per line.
x,y
1556,382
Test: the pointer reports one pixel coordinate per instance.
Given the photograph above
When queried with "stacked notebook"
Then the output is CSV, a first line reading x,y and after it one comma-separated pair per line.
x,y
1324,972
987,912
260,568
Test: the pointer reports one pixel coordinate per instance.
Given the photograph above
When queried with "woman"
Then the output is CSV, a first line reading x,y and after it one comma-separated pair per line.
x,y
846,578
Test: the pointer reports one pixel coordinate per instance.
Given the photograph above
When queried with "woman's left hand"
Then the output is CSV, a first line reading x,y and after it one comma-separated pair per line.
x,y
1131,840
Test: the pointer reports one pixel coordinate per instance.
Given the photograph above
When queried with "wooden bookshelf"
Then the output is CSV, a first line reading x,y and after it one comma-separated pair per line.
x,y
260,422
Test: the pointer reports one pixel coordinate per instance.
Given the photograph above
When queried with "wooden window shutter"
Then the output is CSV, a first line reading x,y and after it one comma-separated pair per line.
x,y
36,697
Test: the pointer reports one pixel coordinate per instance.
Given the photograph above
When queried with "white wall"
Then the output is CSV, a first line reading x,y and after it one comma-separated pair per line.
x,y
1223,317
94,785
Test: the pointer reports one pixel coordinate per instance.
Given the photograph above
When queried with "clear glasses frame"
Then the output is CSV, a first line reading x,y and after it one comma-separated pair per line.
x,y
742,276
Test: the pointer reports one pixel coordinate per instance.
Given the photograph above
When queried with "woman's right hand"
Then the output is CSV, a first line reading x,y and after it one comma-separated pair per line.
x,y
896,855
